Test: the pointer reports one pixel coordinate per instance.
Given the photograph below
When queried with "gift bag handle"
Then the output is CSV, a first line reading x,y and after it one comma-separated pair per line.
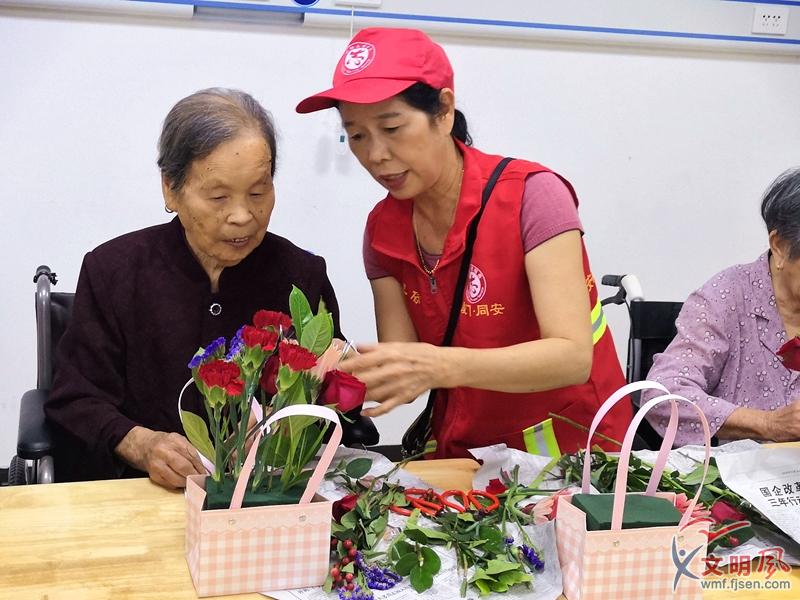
x,y
620,394
669,437
308,410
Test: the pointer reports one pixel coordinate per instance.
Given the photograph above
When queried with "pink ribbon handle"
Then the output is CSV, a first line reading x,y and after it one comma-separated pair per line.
x,y
658,468
306,410
616,397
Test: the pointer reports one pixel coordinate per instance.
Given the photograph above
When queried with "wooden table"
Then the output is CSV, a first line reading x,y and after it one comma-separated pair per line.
x,y
124,540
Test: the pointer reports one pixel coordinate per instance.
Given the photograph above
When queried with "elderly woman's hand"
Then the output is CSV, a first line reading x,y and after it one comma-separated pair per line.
x,y
396,373
783,424
168,458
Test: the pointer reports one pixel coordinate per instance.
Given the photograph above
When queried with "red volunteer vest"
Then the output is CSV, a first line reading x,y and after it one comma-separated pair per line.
x,y
497,311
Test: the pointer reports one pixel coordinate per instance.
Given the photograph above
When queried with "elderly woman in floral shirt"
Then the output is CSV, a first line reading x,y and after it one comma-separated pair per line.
x,y
729,333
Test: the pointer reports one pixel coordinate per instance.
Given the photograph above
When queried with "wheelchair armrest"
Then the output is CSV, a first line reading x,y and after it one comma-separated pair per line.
x,y
361,432
33,437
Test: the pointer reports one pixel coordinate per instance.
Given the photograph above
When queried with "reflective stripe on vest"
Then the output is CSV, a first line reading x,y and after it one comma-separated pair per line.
x,y
430,446
540,439
599,324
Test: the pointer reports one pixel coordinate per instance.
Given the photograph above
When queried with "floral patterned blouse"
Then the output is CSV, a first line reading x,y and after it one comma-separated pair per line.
x,y
724,356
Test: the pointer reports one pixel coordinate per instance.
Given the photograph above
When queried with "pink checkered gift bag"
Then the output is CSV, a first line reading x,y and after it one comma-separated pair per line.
x,y
651,563
259,548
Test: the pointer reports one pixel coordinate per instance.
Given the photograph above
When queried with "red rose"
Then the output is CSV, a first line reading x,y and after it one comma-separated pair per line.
x,y
221,374
343,390
722,511
271,318
789,353
268,375
253,336
345,505
296,357
496,486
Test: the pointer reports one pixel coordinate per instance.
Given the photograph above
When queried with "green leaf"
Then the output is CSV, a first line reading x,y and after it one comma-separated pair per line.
x,y
197,433
349,519
696,476
317,335
327,587
482,586
401,548
415,535
378,526
348,568
432,534
495,541
498,586
430,561
514,577
358,467
420,580
495,566
300,310
286,378
466,516
406,563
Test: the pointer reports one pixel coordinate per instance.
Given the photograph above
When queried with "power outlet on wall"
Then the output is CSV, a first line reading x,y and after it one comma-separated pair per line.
x,y
771,19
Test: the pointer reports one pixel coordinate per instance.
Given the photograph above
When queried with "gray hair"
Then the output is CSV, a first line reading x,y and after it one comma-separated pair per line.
x,y
780,209
199,123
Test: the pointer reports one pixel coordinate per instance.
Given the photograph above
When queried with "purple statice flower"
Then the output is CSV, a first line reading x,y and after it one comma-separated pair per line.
x,y
532,557
209,351
509,541
236,345
378,578
356,594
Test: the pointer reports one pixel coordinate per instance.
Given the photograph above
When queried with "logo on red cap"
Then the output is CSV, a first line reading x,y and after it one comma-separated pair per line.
x,y
357,57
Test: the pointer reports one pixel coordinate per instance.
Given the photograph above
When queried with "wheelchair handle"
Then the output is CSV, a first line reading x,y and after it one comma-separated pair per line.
x,y
630,289
45,270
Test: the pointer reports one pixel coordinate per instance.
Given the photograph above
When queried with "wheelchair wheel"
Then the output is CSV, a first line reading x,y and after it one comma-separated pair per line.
x,y
17,471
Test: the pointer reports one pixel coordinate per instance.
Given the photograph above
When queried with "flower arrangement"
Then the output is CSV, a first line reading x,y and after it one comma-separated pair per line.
x,y
276,361
720,505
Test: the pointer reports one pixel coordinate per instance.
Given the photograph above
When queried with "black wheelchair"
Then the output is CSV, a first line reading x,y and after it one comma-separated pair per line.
x,y
652,329
36,458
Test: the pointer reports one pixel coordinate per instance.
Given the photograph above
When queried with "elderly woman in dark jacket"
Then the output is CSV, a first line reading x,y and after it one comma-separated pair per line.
x,y
147,300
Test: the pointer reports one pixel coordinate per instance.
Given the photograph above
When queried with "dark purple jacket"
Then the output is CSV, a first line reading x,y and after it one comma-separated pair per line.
x,y
142,309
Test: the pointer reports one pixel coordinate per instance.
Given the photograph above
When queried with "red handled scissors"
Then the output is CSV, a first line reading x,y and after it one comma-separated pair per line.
x,y
483,502
432,503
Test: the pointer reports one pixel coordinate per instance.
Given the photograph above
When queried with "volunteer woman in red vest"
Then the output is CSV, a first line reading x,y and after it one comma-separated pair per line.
x,y
530,337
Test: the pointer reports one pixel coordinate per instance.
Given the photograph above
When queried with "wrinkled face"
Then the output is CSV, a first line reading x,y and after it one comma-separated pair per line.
x,y
400,146
226,201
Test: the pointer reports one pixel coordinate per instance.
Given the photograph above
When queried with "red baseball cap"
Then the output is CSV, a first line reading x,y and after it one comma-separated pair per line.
x,y
380,63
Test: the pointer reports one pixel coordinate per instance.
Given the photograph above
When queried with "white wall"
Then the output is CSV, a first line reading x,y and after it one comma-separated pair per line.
x,y
669,151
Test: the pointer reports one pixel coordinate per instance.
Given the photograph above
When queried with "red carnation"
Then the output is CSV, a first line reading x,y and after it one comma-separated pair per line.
x,y
235,387
253,336
271,318
221,374
496,486
296,357
789,353
268,375
343,390
345,505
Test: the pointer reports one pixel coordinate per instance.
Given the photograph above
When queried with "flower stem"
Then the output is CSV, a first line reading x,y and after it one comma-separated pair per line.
x,y
577,425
